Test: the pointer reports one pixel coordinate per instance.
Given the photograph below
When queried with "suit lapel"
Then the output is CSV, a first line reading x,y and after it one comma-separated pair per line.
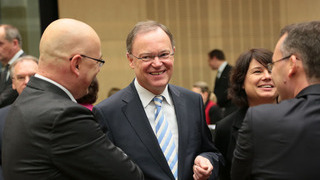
x,y
136,116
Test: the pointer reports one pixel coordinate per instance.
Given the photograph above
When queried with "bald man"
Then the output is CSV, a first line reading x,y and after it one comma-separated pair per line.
x,y
47,135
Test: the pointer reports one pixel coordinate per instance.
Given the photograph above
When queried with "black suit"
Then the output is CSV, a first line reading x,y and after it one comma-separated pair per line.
x,y
128,127
281,141
221,91
48,136
226,134
7,94
3,115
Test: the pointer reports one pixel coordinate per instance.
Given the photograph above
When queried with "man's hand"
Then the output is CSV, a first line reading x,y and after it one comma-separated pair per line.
x,y
202,168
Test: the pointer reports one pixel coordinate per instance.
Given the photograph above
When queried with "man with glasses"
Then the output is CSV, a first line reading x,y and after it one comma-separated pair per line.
x,y
159,125
47,134
282,141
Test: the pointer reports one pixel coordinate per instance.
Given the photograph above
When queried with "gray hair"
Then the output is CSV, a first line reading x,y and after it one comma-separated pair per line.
x,y
303,40
23,58
143,27
12,33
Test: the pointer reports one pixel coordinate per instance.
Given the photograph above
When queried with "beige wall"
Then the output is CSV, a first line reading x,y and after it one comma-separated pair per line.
x,y
197,25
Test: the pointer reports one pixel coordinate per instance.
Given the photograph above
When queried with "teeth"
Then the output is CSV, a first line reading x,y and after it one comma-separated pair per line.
x,y
266,86
157,73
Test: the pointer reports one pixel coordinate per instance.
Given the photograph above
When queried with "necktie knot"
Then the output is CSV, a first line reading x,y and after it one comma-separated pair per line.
x,y
158,100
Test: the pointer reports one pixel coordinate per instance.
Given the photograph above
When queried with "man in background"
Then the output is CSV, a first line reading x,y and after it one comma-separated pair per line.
x,y
217,61
282,141
47,134
10,50
160,126
20,72
212,111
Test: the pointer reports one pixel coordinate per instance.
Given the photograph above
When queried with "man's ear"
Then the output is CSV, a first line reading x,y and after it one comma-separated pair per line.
x,y
130,58
13,86
16,42
75,64
294,65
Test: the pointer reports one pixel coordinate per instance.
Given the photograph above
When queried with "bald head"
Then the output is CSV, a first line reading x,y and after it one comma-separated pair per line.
x,y
64,48
66,37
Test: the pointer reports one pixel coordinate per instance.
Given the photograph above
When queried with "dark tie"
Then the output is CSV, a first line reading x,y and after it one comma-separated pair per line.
x,y
165,137
4,74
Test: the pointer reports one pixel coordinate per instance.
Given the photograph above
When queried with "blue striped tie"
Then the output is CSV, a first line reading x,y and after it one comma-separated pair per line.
x,y
165,138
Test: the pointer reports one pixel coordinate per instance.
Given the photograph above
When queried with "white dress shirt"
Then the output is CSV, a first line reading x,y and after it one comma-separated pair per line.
x,y
146,98
221,68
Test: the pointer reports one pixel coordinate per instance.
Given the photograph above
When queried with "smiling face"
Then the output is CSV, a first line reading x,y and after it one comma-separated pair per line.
x,y
155,74
258,85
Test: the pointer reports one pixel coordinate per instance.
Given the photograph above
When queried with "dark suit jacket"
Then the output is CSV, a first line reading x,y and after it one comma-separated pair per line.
x,y
7,94
221,91
128,127
3,115
226,134
48,136
281,141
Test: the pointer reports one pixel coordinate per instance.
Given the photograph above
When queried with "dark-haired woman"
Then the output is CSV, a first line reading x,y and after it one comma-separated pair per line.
x,y
250,85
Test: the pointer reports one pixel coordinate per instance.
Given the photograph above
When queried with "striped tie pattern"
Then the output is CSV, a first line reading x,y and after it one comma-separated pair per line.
x,y
165,138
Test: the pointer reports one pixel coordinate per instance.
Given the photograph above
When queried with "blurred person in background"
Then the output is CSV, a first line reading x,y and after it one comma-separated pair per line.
x,y
212,111
112,91
10,51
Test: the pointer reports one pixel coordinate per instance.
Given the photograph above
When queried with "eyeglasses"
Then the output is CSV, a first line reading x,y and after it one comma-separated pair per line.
x,y
148,58
101,61
270,65
23,77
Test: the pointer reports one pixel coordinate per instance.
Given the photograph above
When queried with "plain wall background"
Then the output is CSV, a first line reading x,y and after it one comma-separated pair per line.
x,y
198,26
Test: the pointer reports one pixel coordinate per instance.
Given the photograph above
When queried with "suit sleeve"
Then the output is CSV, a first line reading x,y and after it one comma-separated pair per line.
x,y
8,96
243,153
101,118
209,151
82,151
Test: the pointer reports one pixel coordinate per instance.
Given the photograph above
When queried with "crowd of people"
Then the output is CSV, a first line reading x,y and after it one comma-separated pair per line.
x,y
264,108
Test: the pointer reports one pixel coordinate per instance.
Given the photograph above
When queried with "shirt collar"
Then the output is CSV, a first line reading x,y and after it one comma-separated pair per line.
x,y
57,84
146,96
222,66
15,57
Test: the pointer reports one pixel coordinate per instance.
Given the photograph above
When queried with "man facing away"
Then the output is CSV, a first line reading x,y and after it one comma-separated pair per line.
x,y
48,135
282,141
10,50
160,126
